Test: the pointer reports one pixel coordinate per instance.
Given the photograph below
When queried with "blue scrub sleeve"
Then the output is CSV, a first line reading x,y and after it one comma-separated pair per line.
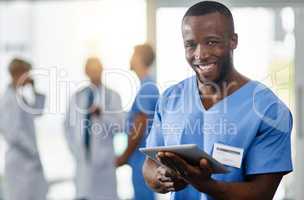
x,y
147,98
155,137
270,151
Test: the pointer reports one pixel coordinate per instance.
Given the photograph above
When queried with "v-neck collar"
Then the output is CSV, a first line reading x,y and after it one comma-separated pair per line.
x,y
233,94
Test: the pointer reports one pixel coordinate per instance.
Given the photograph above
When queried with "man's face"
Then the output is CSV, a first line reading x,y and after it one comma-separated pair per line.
x,y
94,70
209,43
135,61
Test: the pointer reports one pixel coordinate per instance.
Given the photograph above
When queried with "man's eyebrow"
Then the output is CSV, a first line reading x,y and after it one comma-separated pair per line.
x,y
188,40
213,37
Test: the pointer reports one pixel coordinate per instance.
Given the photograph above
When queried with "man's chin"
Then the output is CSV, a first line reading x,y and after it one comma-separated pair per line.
x,y
205,80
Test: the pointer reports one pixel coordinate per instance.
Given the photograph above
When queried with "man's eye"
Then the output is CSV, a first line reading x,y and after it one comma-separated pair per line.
x,y
189,45
212,43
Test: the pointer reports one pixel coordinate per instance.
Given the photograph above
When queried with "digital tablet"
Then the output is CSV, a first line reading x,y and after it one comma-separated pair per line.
x,y
189,152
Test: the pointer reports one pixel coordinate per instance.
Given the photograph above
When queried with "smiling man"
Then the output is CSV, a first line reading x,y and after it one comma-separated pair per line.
x,y
256,144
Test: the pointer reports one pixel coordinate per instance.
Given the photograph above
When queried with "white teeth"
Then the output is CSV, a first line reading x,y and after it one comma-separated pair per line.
x,y
206,67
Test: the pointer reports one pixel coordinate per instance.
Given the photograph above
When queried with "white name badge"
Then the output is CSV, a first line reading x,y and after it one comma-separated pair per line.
x,y
228,155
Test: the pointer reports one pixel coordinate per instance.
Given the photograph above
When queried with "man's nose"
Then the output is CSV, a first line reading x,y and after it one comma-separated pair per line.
x,y
201,53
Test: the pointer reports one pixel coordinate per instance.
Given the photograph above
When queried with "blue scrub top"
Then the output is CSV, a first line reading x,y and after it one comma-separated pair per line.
x,y
251,118
145,102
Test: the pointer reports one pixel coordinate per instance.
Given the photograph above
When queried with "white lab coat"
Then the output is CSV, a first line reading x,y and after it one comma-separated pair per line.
x,y
23,178
95,179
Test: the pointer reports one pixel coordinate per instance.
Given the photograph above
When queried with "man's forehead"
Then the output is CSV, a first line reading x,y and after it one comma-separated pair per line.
x,y
211,19
213,24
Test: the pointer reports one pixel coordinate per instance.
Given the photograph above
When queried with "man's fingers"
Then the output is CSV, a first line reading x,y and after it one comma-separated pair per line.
x,y
161,176
164,161
204,165
176,159
181,166
167,186
173,170
167,162
164,179
168,181
159,156
161,170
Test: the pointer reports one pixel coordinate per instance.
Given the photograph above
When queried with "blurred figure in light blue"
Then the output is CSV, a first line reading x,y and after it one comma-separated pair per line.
x,y
139,119
94,116
23,178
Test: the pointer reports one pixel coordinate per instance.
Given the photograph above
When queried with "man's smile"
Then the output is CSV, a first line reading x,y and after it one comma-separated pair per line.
x,y
205,67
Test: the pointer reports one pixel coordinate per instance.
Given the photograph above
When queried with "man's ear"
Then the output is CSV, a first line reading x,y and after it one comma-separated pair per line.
x,y
234,41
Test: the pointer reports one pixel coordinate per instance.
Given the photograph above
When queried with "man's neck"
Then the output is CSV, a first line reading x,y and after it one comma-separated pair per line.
x,y
220,90
97,83
142,73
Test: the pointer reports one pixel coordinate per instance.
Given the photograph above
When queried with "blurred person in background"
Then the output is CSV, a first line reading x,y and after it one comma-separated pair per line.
x,y
94,115
139,119
23,176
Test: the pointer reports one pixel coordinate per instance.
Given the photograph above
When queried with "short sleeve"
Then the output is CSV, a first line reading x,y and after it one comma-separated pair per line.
x,y
155,137
147,98
270,151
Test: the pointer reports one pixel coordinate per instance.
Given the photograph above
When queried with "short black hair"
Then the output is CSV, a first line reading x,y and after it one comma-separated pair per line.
x,y
207,7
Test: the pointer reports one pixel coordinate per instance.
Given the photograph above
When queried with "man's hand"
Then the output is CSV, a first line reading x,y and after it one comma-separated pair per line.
x,y
120,161
95,110
195,175
24,80
168,180
30,81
